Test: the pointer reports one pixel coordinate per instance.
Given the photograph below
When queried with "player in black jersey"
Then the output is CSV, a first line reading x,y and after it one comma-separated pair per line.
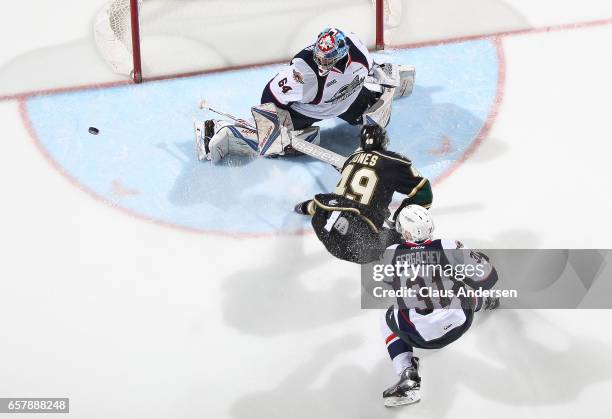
x,y
350,222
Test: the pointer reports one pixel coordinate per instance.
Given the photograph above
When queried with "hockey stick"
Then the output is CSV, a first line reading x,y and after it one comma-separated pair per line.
x,y
298,144
318,152
205,106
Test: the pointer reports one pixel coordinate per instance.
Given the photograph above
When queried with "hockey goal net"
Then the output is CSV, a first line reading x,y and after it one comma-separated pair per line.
x,y
157,38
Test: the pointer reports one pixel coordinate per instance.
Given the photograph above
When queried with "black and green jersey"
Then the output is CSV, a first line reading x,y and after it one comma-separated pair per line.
x,y
371,178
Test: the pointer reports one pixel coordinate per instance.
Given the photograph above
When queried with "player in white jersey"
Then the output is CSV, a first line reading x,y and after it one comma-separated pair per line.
x,y
426,320
324,80
334,77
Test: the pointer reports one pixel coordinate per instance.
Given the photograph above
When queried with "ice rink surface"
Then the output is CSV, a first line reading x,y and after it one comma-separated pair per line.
x,y
141,283
447,104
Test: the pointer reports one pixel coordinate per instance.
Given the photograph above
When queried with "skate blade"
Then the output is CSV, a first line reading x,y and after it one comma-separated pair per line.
x,y
411,398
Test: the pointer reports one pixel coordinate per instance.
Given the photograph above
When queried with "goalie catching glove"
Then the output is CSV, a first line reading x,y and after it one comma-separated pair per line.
x,y
392,81
393,76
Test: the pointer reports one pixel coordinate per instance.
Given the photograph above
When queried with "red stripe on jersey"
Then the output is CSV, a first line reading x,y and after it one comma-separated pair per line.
x,y
390,338
412,244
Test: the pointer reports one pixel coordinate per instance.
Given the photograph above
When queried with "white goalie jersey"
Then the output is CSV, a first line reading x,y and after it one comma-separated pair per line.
x,y
300,86
355,89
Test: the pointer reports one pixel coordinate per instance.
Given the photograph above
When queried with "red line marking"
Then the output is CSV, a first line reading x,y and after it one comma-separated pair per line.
x,y
473,146
106,85
122,191
43,151
445,148
486,128
516,32
414,45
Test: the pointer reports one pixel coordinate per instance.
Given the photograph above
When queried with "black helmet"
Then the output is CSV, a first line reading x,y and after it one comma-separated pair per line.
x,y
373,137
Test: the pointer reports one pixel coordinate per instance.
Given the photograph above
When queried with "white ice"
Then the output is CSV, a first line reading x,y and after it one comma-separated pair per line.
x,y
134,320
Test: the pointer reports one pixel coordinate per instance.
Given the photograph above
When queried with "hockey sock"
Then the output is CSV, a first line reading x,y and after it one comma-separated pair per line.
x,y
402,361
399,352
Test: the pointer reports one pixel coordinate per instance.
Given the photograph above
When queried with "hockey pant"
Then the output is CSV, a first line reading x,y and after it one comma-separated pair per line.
x,y
350,231
405,329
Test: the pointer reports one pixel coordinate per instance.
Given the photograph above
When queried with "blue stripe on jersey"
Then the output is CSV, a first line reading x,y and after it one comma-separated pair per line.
x,y
398,347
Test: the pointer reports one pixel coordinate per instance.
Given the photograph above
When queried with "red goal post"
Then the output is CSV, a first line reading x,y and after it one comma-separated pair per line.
x,y
173,37
380,24
135,26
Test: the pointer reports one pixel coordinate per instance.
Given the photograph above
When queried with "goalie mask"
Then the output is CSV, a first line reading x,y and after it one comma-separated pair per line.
x,y
414,223
373,137
330,48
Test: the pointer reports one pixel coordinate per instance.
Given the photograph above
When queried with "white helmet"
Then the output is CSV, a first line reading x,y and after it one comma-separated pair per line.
x,y
414,223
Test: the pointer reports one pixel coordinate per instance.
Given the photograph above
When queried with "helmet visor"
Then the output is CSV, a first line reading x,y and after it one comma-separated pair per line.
x,y
324,61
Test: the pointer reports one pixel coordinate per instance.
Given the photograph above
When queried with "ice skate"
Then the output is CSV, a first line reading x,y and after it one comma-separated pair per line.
x,y
407,390
490,303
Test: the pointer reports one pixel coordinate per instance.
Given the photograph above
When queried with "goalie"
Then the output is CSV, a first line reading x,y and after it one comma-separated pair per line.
x,y
334,77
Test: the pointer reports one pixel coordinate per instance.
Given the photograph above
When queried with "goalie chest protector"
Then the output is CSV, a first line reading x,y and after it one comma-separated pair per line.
x,y
322,97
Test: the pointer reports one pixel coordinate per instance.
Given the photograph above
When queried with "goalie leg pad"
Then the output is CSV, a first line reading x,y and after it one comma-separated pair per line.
x,y
229,139
273,128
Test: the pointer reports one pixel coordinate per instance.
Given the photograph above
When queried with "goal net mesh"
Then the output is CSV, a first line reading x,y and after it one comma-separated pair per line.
x,y
113,35
183,36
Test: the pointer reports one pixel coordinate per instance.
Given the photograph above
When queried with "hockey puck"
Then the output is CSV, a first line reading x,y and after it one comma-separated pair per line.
x,y
94,130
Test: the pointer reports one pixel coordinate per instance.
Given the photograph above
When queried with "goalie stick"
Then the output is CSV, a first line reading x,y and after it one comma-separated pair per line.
x,y
205,106
318,153
312,150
